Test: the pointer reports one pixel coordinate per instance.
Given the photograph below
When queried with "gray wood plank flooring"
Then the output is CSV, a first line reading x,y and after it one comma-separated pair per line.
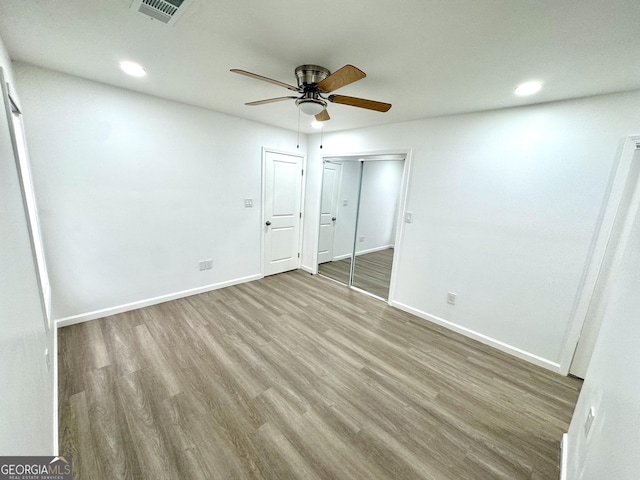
x,y
372,272
297,377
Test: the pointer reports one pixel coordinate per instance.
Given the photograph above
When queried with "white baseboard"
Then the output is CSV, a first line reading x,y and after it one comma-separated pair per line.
x,y
307,269
516,352
371,250
56,430
362,252
564,456
105,312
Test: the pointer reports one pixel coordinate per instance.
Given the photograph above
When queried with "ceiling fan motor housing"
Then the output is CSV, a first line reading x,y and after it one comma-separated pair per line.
x,y
310,75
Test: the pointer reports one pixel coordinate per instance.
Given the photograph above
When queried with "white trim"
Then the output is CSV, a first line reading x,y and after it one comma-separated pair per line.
x,y
564,456
597,251
30,212
504,347
372,250
307,269
105,312
400,225
362,252
56,402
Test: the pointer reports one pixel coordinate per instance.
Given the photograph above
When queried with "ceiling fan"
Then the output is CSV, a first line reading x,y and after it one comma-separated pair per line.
x,y
314,83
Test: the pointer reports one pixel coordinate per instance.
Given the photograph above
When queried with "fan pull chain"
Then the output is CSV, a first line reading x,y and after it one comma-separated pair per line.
x,y
321,131
298,145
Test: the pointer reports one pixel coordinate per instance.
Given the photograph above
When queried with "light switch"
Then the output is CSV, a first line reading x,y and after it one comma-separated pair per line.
x,y
248,202
408,217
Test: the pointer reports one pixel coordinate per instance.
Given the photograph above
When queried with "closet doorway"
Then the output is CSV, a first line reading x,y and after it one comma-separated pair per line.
x,y
359,218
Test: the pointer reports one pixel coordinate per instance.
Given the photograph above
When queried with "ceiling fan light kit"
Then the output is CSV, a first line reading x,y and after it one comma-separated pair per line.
x,y
311,106
311,103
314,82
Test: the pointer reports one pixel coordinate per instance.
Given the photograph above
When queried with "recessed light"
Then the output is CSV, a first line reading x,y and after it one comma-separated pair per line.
x,y
528,88
133,69
316,124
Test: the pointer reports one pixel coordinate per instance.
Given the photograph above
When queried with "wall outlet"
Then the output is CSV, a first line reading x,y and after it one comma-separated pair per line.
x,y
248,202
205,264
361,239
345,203
451,298
589,421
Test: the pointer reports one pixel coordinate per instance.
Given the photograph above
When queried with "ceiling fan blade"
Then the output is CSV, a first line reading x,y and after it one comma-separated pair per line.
x,y
360,102
264,79
338,79
270,100
323,116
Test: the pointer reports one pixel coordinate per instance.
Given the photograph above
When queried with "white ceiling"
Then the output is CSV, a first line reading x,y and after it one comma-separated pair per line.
x,y
426,57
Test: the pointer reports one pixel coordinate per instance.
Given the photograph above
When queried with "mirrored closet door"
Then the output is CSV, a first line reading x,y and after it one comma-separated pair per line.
x,y
358,221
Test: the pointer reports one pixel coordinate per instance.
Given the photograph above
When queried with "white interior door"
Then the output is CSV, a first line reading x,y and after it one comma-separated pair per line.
x,y
282,212
328,210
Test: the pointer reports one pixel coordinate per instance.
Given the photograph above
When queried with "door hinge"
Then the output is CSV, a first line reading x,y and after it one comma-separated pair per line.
x,y
302,172
300,214
298,254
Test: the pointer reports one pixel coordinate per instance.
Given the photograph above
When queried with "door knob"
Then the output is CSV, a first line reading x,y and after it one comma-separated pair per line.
x,y
333,219
268,223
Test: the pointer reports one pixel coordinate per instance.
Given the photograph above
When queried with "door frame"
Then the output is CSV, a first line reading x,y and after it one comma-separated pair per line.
x,y
402,204
265,151
613,197
335,200
31,214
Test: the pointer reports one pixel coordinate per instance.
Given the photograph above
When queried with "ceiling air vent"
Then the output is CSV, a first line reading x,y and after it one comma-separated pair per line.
x,y
165,11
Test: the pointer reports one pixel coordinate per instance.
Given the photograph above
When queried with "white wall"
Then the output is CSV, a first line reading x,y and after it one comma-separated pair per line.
x,y
611,385
135,190
505,207
381,182
378,205
27,399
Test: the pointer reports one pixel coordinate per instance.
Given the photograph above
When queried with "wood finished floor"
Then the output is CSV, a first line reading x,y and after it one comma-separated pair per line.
x,y
297,377
372,272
